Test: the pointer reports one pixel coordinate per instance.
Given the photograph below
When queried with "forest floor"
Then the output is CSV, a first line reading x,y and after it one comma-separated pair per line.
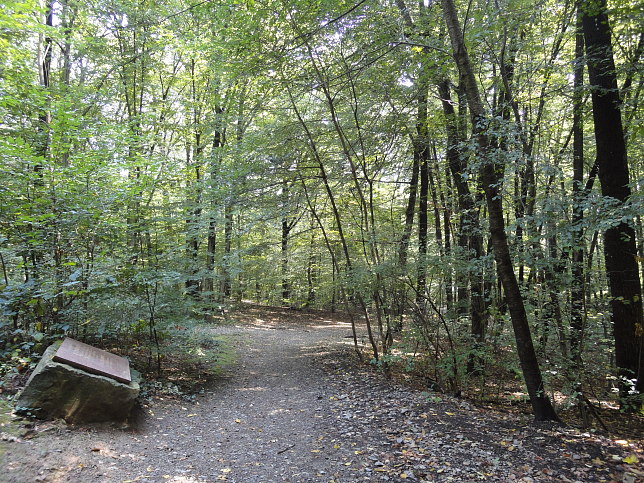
x,y
295,405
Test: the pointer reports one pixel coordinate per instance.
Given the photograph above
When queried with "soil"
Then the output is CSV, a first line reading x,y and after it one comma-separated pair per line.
x,y
297,406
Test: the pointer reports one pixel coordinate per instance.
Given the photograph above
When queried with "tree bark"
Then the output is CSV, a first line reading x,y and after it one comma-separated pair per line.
x,y
226,282
288,223
470,237
620,250
218,141
409,212
193,219
491,176
577,289
421,146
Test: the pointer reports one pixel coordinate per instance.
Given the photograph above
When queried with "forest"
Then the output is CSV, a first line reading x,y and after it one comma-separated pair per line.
x,y
463,179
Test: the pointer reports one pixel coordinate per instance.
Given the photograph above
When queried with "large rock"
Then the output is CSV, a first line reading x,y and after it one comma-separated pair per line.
x,y
57,390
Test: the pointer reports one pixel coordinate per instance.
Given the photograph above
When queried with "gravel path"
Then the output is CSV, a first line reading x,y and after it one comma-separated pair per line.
x,y
294,408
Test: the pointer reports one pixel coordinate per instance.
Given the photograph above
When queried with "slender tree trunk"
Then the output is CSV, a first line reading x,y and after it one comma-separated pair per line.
x,y
491,176
448,207
218,142
286,289
192,225
433,187
287,225
470,237
339,227
577,290
195,209
422,147
620,250
312,267
44,117
226,282
409,212
468,224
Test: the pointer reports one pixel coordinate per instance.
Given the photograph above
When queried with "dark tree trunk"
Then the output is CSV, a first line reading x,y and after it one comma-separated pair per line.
x,y
468,221
219,139
445,199
422,224
312,267
226,282
409,212
434,188
193,220
578,245
491,175
192,226
421,146
541,405
44,117
470,237
286,287
620,249
288,223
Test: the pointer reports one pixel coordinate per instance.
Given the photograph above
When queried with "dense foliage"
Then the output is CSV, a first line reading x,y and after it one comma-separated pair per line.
x,y
162,161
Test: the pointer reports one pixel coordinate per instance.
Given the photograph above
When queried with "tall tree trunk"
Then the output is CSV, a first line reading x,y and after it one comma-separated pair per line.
x,y
491,176
226,282
446,203
286,288
193,220
312,266
339,226
468,222
288,222
218,141
44,117
578,244
470,237
434,190
620,248
421,145
409,212
192,224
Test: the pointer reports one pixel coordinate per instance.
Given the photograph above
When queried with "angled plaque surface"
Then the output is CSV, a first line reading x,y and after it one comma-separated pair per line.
x,y
93,360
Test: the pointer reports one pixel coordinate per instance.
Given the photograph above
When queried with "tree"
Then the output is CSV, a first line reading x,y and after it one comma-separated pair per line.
x,y
620,248
491,172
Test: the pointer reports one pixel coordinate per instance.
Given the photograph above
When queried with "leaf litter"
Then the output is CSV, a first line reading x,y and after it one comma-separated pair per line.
x,y
298,407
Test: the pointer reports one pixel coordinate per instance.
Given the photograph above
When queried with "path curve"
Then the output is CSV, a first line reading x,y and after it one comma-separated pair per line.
x,y
297,408
267,419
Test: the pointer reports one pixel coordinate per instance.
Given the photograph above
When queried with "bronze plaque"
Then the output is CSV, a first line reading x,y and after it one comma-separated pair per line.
x,y
93,360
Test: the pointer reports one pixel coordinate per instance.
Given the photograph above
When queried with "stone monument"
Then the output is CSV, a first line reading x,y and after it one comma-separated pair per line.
x,y
81,384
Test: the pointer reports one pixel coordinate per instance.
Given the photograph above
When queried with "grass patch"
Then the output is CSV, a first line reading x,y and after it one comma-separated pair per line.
x,y
192,357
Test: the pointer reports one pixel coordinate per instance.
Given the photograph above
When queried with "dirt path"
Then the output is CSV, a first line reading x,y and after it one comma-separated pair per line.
x,y
295,409
267,419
